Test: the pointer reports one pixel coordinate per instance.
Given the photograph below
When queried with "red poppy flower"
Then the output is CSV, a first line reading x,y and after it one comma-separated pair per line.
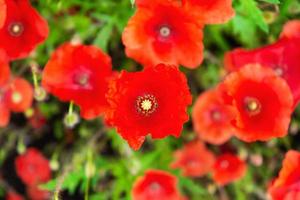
x,y
13,196
281,56
79,73
228,168
19,95
163,32
291,30
34,193
23,29
4,112
4,68
287,185
263,102
32,167
210,11
194,159
16,96
212,118
153,101
156,184
2,12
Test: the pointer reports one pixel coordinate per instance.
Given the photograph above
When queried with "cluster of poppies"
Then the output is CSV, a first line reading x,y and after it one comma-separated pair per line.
x,y
21,30
254,102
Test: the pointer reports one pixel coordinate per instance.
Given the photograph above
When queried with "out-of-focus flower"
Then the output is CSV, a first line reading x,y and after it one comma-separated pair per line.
x,y
291,30
263,102
163,32
153,102
228,168
282,57
194,159
19,95
79,73
34,193
13,196
286,186
22,30
210,11
36,119
16,95
156,184
32,167
212,118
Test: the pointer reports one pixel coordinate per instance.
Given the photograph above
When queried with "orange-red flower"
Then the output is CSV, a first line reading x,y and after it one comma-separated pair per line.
x,y
291,30
287,185
282,57
32,167
156,184
212,118
153,102
194,159
13,196
23,28
16,96
228,168
79,73
263,102
163,32
210,11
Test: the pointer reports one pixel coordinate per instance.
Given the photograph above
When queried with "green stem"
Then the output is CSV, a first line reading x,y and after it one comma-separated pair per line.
x,y
35,79
87,188
71,108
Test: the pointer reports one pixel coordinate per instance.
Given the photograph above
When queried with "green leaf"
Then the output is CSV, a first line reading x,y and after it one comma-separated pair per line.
x,y
103,36
272,1
251,11
70,183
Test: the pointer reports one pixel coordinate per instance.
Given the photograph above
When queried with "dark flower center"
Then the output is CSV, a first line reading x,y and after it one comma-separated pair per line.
x,y
224,164
164,31
146,105
252,105
216,115
278,70
154,187
82,79
192,163
16,97
16,29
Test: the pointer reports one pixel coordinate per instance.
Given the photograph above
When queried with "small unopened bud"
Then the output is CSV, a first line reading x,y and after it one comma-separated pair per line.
x,y
21,148
269,17
256,160
294,128
29,112
211,188
90,169
243,154
76,40
71,119
54,165
40,94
